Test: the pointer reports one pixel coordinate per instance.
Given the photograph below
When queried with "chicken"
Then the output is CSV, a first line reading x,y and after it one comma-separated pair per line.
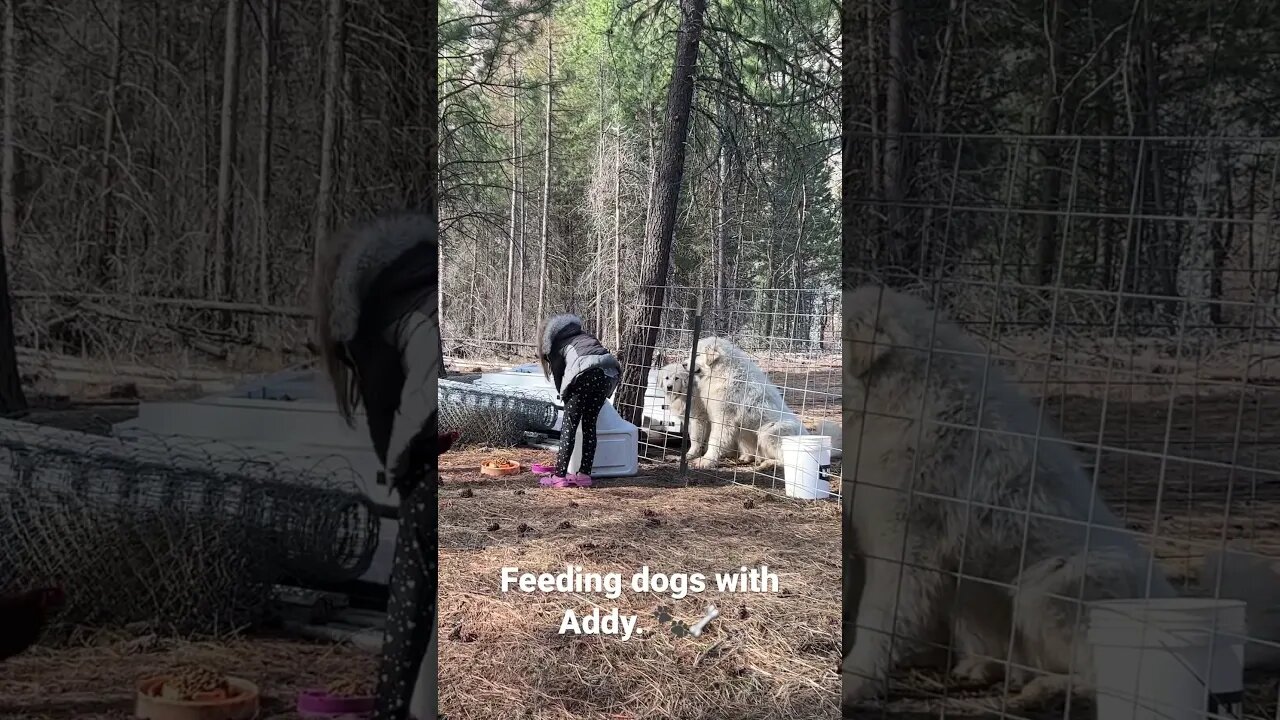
x,y
23,617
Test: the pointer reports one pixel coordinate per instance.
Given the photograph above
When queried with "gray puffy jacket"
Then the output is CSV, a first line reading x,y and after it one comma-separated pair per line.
x,y
571,351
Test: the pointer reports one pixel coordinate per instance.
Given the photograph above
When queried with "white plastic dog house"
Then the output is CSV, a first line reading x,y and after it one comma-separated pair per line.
x,y
617,441
291,413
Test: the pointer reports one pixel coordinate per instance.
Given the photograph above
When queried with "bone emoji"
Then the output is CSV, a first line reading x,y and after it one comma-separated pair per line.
x,y
712,613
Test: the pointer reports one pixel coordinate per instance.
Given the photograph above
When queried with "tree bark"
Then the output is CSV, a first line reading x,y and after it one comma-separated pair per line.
x,y
515,190
617,237
433,111
109,245
900,245
12,398
640,338
1050,176
546,187
8,198
721,232
1163,252
522,311
223,250
600,233
269,19
328,138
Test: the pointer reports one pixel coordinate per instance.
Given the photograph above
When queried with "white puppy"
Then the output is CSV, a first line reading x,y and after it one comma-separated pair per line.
x,y
745,411
674,380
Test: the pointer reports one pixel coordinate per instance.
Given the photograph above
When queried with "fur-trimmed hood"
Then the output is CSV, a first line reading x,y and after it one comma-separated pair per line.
x,y
566,350
367,250
555,325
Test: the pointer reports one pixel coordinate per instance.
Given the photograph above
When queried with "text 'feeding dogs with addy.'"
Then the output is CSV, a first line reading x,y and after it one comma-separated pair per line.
x,y
992,538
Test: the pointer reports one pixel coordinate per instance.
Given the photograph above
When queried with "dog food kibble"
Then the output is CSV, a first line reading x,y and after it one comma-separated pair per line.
x,y
195,683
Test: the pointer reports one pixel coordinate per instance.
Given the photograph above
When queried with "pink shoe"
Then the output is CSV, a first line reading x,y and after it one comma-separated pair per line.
x,y
579,480
540,469
554,481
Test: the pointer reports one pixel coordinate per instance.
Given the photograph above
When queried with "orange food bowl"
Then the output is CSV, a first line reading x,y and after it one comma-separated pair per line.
x,y
241,705
497,468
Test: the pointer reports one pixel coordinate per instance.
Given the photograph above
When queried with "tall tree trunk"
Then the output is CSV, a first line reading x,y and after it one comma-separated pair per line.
x,y
1107,234
109,245
617,237
473,300
159,132
269,17
651,132
875,163
1222,236
642,335
1047,250
797,264
8,198
434,112
600,233
546,186
224,253
1163,253
328,138
721,232
522,276
900,245
12,398
509,292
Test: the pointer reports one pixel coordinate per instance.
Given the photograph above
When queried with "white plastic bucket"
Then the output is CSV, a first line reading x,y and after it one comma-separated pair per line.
x,y
806,462
1168,658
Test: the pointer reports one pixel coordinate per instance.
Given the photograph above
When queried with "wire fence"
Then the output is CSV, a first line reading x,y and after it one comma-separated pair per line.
x,y
765,373
1062,389
180,535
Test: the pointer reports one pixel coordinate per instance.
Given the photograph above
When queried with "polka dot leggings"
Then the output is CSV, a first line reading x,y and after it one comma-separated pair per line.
x,y
411,608
582,404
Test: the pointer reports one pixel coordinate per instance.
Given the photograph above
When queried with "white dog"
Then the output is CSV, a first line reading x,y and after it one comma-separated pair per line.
x,y
1014,517
745,411
674,380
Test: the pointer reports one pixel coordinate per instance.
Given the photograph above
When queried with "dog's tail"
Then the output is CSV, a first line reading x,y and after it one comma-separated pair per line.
x,y
769,440
1237,575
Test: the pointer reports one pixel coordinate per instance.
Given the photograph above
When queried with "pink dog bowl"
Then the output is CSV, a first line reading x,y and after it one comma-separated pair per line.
x,y
320,704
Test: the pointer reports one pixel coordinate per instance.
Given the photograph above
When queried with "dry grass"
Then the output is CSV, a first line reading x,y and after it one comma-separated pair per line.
x,y
95,682
767,656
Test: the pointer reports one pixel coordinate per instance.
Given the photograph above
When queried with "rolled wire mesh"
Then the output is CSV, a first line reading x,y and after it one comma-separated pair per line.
x,y
1144,335
176,533
792,336
492,416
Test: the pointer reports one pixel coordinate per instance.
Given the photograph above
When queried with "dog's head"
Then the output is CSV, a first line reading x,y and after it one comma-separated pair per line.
x,y
713,352
674,378
877,320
